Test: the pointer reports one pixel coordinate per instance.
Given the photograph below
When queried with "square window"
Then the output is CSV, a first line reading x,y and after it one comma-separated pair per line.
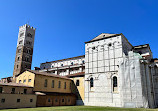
x,y
3,100
18,100
31,100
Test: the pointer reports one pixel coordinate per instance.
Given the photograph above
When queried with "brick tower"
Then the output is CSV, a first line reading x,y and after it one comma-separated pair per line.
x,y
24,51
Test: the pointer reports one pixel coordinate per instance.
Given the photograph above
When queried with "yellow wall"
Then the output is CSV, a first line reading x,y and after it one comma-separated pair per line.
x,y
11,100
37,81
80,88
26,75
8,89
40,80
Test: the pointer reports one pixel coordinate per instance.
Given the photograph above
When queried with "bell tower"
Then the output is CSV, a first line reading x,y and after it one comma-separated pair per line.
x,y
24,50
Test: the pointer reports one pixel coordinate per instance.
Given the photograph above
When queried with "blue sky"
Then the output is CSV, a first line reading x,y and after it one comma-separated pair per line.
x,y
64,25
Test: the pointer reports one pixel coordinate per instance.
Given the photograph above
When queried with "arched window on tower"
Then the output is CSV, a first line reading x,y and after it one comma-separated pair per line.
x,y
91,82
115,88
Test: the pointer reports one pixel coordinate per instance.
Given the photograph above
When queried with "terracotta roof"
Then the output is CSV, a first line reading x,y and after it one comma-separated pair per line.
x,y
76,74
103,36
47,74
14,84
65,59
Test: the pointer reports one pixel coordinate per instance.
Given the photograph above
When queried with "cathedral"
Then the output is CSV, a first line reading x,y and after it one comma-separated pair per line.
x,y
112,73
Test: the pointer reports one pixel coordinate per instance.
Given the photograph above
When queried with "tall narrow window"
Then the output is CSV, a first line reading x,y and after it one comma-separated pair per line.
x,y
77,82
1,89
70,85
13,91
45,83
64,85
52,83
91,82
59,84
114,84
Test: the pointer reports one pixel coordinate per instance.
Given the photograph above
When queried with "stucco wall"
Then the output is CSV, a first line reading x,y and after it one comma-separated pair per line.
x,y
11,101
40,80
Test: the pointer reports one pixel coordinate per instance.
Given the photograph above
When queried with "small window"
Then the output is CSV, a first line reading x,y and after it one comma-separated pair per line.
x,y
64,85
24,80
70,85
1,89
18,100
48,99
43,67
19,81
59,84
29,80
62,64
17,66
77,82
28,51
114,84
93,48
21,34
72,63
13,91
52,66
20,42
45,83
52,83
19,50
83,62
25,91
3,100
31,100
29,35
26,59
18,58
109,44
91,82
62,100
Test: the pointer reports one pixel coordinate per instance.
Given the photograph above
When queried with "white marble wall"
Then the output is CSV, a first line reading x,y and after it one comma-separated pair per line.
x,y
102,63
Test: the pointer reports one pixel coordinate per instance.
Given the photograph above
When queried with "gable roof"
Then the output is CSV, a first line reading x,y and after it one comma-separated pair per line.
x,y
47,74
103,36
